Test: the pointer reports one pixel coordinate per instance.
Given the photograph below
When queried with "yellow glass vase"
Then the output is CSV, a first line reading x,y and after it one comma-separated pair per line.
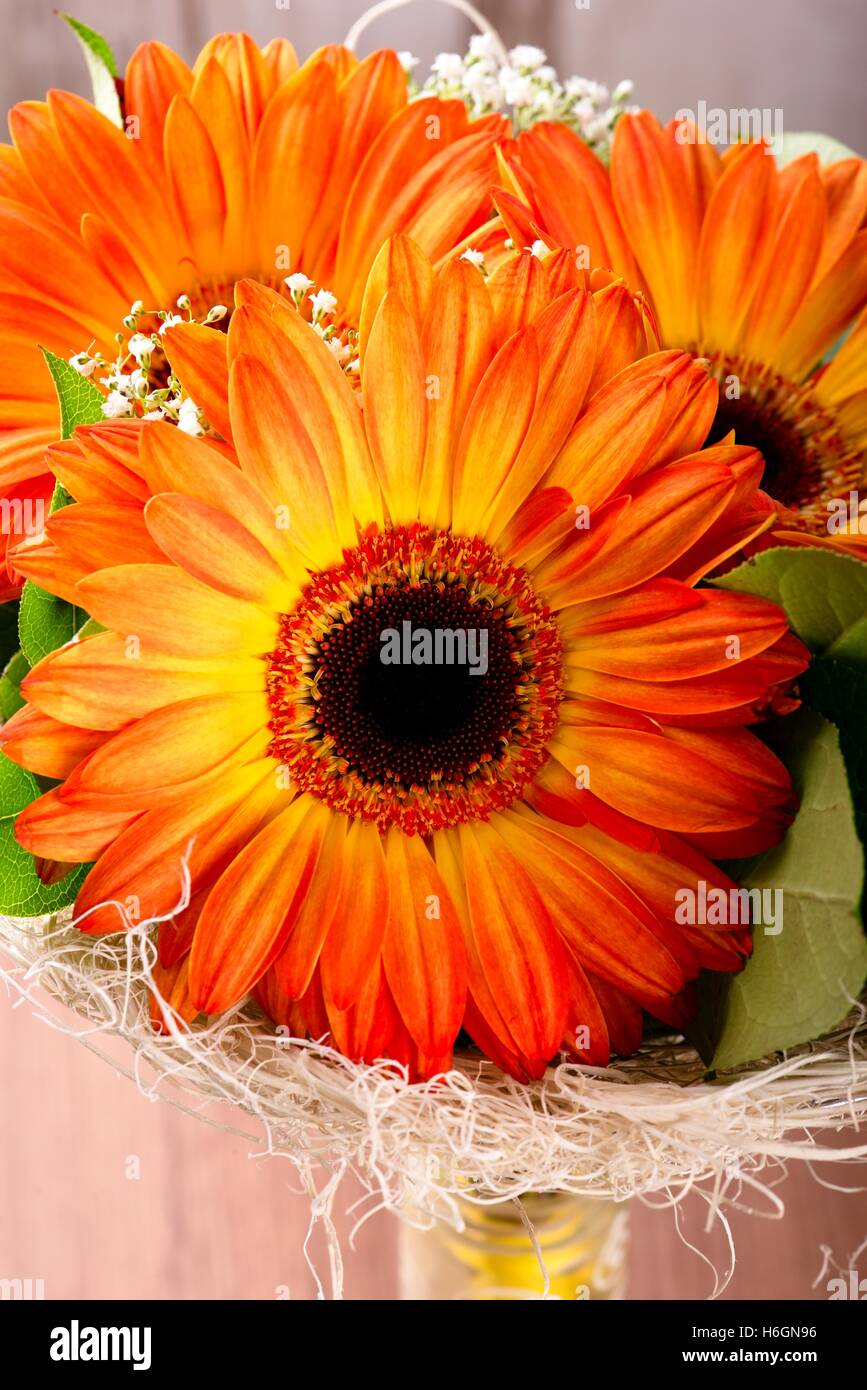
x,y
561,1247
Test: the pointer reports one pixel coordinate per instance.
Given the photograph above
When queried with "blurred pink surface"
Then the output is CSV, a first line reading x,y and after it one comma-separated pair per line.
x,y
205,1219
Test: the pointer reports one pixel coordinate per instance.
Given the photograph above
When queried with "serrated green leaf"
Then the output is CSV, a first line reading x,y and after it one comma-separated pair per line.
x,y
11,698
101,66
800,983
22,892
80,401
17,788
46,622
823,593
793,144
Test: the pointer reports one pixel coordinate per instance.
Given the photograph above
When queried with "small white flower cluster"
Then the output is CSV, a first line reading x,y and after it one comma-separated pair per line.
x,y
138,382
323,305
527,84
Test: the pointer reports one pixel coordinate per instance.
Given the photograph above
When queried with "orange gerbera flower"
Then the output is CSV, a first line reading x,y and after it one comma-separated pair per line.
x,y
389,850
761,270
237,166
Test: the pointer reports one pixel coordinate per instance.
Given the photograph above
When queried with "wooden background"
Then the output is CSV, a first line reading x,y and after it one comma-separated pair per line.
x,y
204,1218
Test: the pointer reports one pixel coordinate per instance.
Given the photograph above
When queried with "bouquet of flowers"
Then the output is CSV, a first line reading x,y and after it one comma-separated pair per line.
x,y
436,616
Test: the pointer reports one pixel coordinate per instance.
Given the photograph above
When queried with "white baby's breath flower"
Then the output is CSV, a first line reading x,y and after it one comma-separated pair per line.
x,y
324,302
622,91
140,345
342,351
171,320
528,84
526,56
83,363
157,414
298,283
482,46
517,88
407,60
116,405
120,381
449,66
539,249
474,256
188,417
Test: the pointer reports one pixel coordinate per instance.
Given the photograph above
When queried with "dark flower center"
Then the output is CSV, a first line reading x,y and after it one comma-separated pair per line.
x,y
417,683
793,474
808,461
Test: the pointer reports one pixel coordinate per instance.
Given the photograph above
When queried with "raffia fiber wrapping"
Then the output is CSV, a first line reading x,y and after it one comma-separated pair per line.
x,y
648,1125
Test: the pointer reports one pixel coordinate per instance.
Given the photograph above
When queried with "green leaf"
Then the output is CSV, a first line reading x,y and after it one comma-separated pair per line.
x,y
17,788
11,698
800,983
102,67
22,892
823,593
80,401
793,144
838,691
46,622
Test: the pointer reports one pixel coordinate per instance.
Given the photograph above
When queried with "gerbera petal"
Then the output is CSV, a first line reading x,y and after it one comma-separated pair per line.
x,y
661,219
609,443
171,745
154,76
45,745
215,548
826,312
51,829
736,241
652,778
355,937
395,414
311,919
459,345
321,394
790,269
172,461
202,622
423,953
494,431
246,915
518,948
297,137
566,331
698,634
198,357
666,512
140,875
105,681
195,178
613,932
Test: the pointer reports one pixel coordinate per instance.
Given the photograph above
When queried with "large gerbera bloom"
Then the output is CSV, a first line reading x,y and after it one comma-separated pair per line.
x,y
388,852
244,165
761,270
